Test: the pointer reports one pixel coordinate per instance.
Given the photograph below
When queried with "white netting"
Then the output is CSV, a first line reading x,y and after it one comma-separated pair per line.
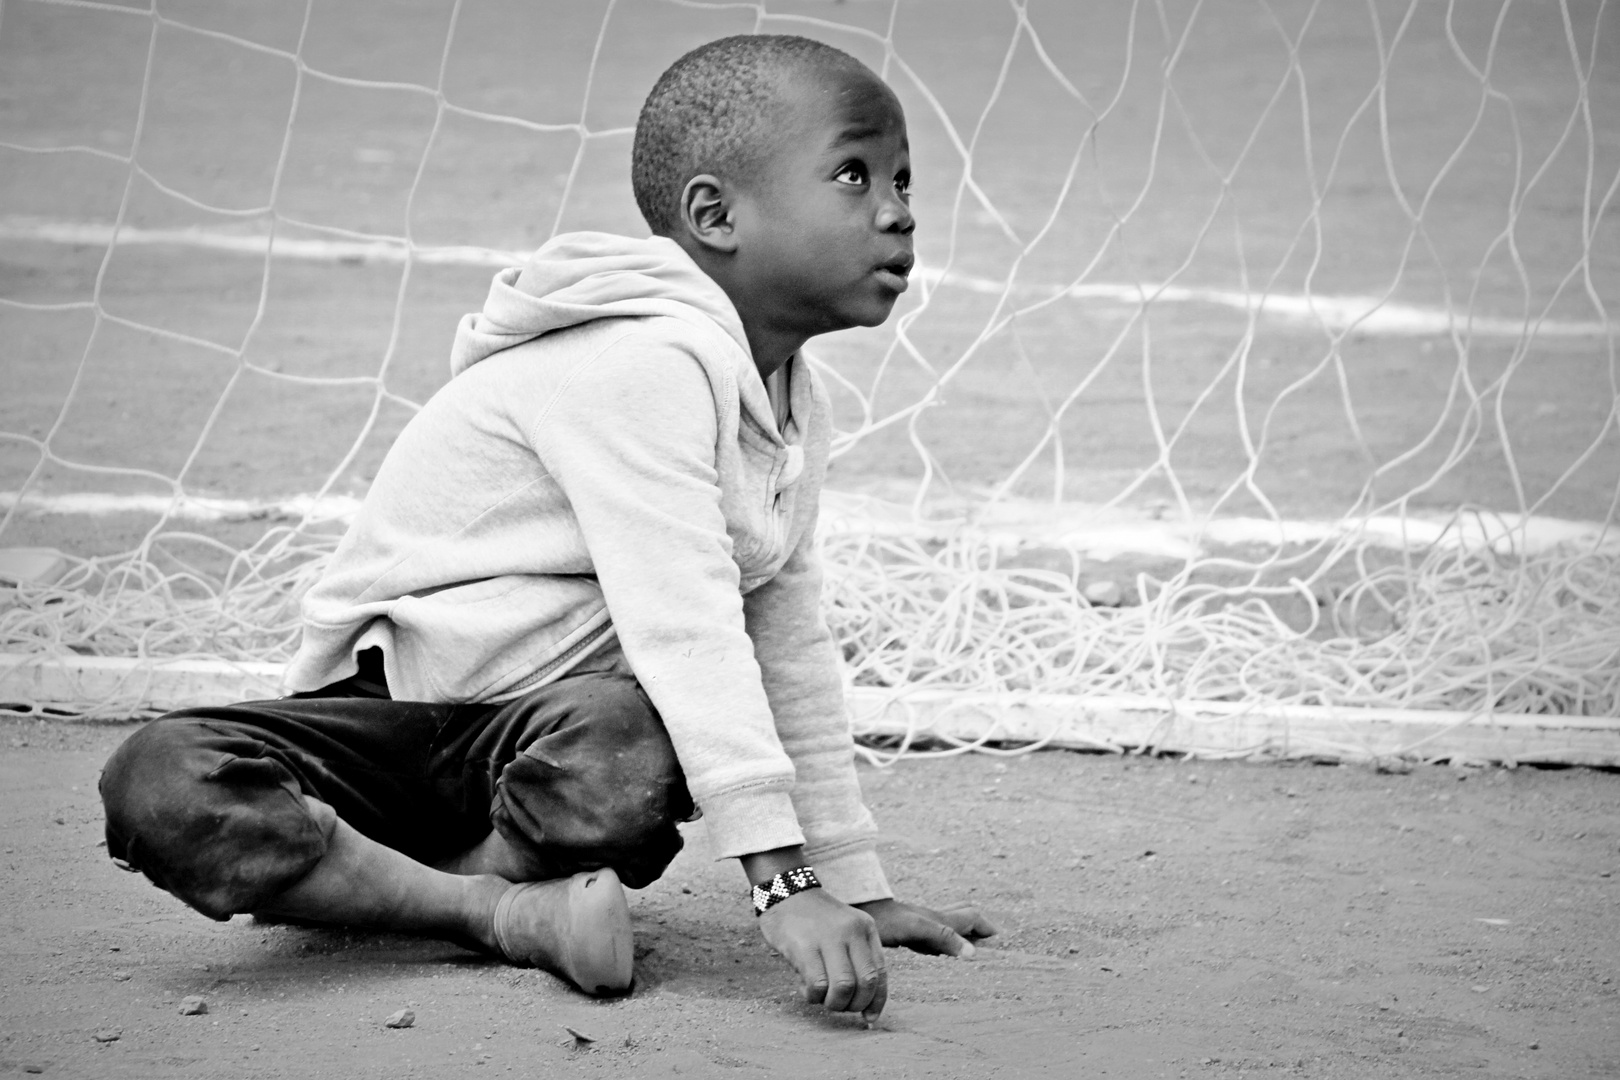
x,y
1257,351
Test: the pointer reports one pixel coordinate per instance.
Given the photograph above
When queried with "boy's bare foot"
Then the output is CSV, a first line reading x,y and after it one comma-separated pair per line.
x,y
578,928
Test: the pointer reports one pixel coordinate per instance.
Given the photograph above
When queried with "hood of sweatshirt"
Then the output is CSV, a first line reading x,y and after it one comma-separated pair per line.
x,y
579,277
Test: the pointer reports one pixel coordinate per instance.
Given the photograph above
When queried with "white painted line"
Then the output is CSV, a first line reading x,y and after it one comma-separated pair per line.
x,y
1106,533
1503,533
184,507
1364,314
1098,532
309,249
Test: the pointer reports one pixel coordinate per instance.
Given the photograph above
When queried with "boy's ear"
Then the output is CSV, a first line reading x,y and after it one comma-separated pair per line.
x,y
706,213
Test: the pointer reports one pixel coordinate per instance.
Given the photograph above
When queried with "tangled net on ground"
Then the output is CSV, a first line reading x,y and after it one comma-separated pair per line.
x,y
1449,628
1459,630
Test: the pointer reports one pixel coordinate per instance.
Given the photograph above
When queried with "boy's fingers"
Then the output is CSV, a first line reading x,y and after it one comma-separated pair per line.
x,y
980,927
880,988
926,935
842,984
874,944
814,973
968,922
866,955
867,979
880,998
953,944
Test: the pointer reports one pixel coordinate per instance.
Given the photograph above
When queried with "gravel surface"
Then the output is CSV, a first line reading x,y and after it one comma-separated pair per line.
x,y
1160,919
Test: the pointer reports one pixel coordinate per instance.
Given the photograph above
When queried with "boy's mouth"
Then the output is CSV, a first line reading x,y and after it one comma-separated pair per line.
x,y
895,272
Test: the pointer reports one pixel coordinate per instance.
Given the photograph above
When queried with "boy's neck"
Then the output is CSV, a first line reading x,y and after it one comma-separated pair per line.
x,y
770,346
770,351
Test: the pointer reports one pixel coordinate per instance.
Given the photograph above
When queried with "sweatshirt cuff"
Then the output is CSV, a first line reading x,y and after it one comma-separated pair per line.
x,y
854,875
751,820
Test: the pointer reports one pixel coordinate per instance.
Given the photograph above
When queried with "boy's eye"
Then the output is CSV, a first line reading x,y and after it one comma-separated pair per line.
x,y
902,184
851,174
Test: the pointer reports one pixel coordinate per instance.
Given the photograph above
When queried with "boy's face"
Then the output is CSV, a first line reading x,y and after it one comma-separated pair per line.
x,y
824,227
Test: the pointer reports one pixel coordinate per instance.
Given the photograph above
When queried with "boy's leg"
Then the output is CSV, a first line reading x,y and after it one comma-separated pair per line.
x,y
576,775
359,882
212,804
232,810
578,928
282,806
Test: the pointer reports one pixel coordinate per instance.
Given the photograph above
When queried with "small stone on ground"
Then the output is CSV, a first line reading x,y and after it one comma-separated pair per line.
x,y
193,1006
404,1018
1104,594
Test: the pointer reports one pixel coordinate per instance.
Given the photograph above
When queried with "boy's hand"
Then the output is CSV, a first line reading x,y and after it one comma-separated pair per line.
x,y
950,932
834,948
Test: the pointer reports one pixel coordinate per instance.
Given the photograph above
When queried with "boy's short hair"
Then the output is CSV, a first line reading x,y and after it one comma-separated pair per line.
x,y
710,113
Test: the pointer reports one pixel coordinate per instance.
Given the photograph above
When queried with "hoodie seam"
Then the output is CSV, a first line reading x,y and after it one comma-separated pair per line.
x,y
782,781
532,427
575,652
840,848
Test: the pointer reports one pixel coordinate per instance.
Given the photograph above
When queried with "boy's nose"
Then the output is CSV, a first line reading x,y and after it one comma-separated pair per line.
x,y
895,216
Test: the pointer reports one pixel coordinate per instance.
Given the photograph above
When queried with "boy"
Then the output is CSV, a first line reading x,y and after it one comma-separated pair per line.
x,y
580,602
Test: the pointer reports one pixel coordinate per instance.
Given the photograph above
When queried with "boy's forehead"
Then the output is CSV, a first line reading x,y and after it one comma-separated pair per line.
x,y
849,100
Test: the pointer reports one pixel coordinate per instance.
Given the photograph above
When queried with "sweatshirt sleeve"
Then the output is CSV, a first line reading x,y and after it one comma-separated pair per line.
x,y
630,437
806,692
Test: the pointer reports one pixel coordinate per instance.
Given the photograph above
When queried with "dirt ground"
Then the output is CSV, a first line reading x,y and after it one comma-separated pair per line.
x,y
1159,919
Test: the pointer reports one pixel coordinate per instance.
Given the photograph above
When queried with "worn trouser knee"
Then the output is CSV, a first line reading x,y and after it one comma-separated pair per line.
x,y
200,811
594,782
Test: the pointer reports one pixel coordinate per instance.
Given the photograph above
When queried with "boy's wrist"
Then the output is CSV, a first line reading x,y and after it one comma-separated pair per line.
x,y
762,866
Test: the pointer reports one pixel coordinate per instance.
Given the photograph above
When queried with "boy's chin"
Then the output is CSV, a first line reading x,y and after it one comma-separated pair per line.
x,y
875,314
870,311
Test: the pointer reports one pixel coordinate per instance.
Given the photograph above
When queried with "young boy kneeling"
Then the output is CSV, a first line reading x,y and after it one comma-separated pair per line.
x,y
581,599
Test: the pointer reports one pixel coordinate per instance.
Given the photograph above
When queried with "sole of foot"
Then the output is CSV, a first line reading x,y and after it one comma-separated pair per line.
x,y
578,928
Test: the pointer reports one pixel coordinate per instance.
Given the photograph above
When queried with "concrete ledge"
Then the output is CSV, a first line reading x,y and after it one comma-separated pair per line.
x,y
1233,729
118,686
107,686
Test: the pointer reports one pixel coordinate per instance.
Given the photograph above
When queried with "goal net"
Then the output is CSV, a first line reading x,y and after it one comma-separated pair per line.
x,y
1259,351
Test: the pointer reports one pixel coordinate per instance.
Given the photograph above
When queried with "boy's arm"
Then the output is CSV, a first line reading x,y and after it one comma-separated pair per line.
x,y
801,671
630,437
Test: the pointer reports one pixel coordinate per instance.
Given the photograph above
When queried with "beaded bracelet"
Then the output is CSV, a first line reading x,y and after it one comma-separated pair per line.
x,y
782,886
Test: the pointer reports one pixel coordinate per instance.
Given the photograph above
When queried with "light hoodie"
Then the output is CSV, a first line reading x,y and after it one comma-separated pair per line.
x,y
605,464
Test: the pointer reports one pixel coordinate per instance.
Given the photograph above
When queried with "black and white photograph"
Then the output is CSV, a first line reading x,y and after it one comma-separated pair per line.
x,y
810,539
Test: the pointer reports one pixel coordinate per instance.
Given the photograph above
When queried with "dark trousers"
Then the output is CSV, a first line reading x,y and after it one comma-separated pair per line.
x,y
577,775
